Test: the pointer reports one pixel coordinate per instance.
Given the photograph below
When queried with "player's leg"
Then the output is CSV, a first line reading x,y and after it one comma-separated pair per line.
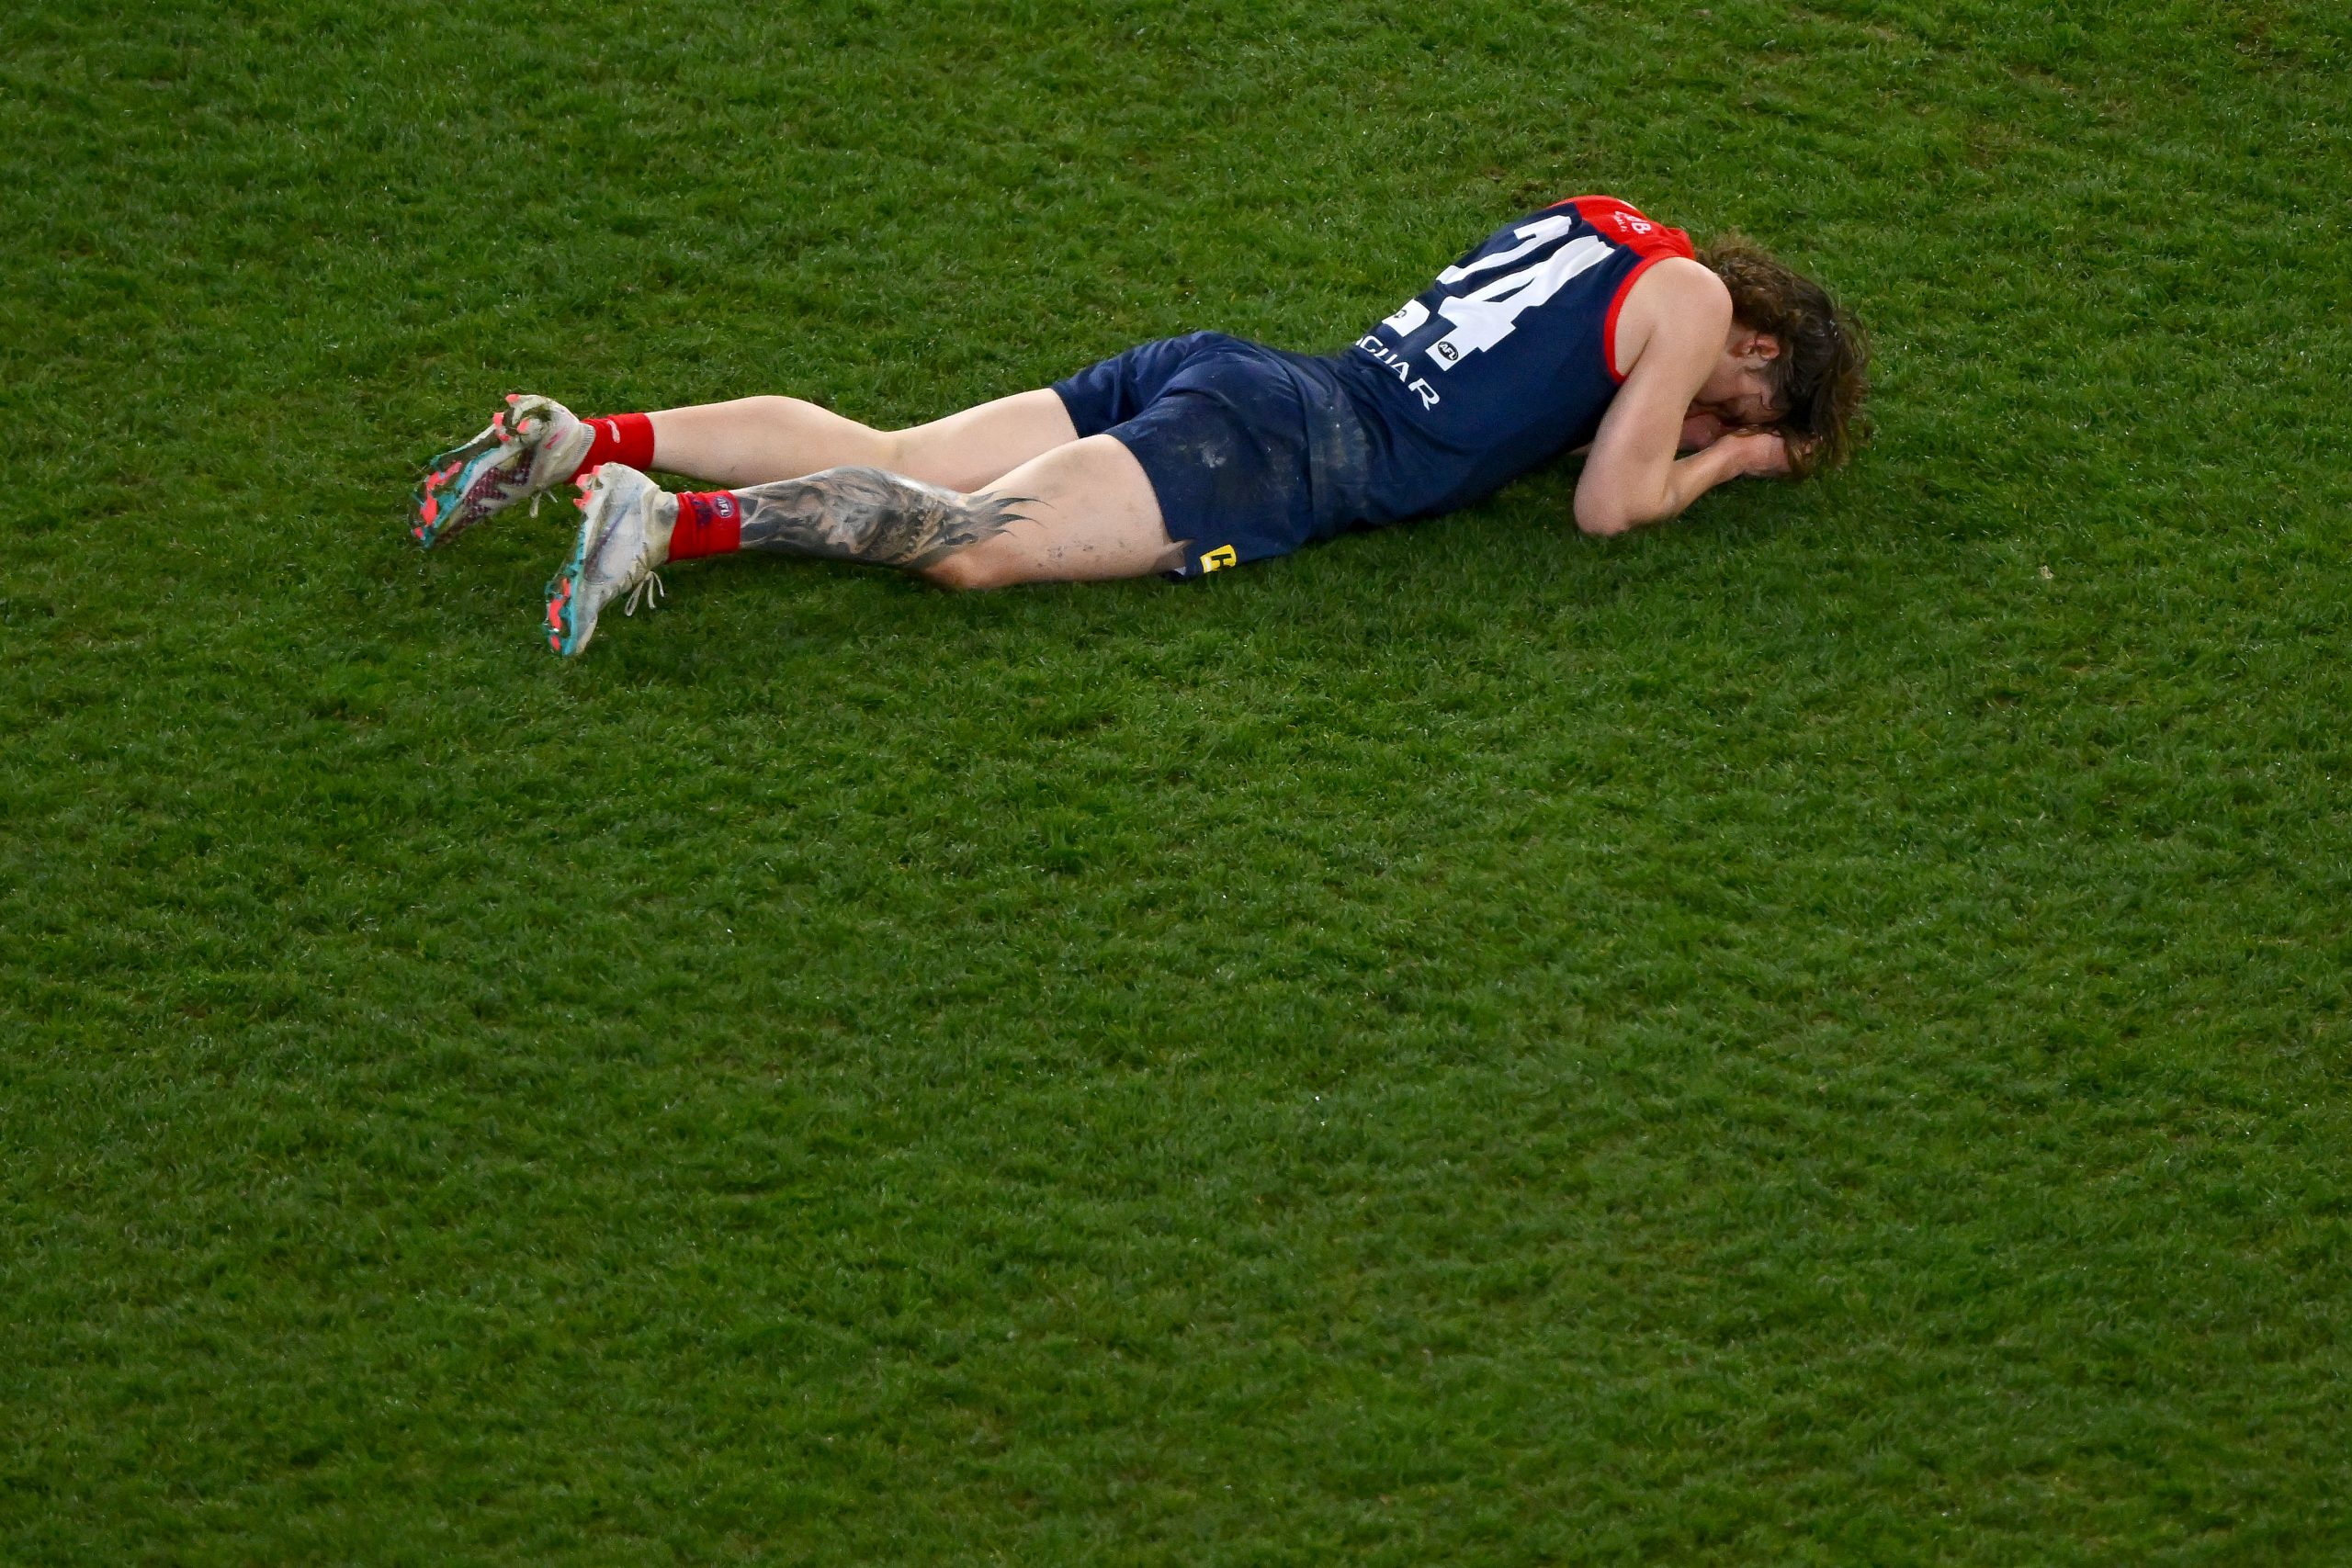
x,y
535,444
758,440
1090,515
1082,512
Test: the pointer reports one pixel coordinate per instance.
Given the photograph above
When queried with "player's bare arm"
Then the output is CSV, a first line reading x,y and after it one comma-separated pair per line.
x,y
1688,363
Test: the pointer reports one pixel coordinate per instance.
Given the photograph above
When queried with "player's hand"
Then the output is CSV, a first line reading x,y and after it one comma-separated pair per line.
x,y
1762,454
1700,430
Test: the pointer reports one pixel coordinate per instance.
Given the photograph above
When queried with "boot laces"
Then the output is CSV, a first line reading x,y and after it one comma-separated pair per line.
x,y
647,588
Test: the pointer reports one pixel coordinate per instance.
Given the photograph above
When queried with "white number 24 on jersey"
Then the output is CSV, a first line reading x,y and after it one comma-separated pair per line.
x,y
1484,316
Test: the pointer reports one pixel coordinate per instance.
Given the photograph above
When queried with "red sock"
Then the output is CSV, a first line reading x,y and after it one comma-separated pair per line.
x,y
621,438
710,523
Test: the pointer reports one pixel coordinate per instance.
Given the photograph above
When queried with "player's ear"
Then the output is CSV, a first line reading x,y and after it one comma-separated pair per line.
x,y
1761,347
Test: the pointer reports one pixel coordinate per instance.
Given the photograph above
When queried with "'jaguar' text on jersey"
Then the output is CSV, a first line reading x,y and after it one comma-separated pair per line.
x,y
1403,366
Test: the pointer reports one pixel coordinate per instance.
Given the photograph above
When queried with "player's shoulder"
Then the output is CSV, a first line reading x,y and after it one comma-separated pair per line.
x,y
1676,301
1677,293
1685,281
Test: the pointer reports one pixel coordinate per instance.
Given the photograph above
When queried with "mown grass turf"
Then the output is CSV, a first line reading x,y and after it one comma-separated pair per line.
x,y
1816,1034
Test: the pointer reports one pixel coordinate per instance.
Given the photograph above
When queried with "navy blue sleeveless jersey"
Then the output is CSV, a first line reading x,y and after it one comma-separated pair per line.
x,y
1506,361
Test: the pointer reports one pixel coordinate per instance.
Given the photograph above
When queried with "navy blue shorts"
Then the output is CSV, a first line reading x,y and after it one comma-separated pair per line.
x,y
1250,452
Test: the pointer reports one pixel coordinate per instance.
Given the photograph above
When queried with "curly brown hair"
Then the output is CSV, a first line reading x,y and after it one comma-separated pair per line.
x,y
1822,372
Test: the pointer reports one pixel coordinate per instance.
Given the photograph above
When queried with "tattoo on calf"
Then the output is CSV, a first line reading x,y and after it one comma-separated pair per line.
x,y
870,514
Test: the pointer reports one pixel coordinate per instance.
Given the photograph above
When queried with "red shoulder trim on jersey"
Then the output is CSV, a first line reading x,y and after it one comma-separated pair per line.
x,y
1647,238
1617,303
1629,227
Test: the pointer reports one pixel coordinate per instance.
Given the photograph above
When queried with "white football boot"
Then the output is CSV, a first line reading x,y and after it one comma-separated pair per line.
x,y
529,447
624,535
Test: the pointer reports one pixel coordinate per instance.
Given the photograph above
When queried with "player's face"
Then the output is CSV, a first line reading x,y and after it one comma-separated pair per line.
x,y
1738,397
1740,392
1727,409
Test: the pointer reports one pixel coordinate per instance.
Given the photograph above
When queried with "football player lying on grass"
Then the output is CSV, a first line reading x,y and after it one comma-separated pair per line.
x,y
1584,323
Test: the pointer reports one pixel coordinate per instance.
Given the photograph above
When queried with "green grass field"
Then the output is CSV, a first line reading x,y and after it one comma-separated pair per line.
x,y
1814,1034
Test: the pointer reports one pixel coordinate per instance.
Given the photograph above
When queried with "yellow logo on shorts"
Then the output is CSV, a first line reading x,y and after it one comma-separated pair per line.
x,y
1219,558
